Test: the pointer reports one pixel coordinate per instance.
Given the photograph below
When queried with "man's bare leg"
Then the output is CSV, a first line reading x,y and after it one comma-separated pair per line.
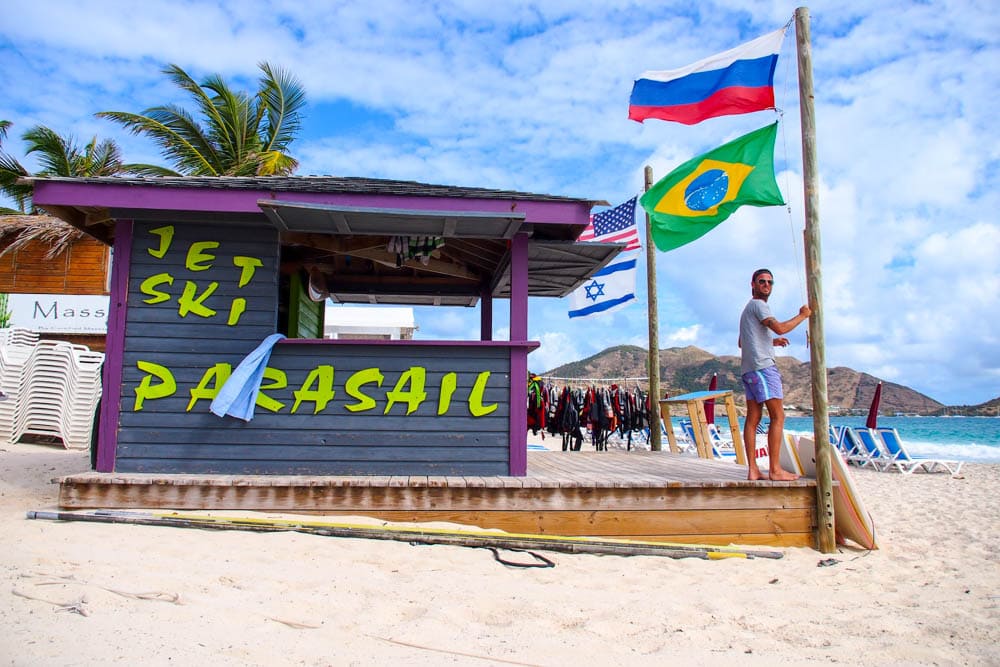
x,y
754,413
775,432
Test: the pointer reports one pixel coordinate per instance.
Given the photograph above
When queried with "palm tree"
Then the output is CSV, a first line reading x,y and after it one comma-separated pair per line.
x,y
58,156
238,135
10,171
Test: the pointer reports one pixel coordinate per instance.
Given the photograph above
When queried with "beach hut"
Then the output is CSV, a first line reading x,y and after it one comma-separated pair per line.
x,y
205,269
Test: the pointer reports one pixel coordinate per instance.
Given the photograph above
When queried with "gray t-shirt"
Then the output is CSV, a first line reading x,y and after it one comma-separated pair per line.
x,y
756,343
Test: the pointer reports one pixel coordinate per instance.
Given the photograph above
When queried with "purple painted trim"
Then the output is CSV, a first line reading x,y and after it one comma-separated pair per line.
x,y
111,385
519,287
485,315
526,344
519,356
518,412
245,201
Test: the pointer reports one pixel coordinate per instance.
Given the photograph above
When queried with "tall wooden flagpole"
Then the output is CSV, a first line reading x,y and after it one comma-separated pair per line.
x,y
817,350
655,435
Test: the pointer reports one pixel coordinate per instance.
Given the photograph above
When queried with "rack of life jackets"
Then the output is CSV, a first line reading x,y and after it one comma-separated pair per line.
x,y
602,408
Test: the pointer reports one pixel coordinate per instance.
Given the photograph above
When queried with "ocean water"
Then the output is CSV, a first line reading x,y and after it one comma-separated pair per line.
x,y
974,439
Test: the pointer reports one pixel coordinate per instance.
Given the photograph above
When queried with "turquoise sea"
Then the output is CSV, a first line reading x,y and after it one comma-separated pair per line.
x,y
974,439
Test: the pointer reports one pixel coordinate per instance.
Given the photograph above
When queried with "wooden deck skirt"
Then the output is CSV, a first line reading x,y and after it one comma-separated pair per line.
x,y
633,495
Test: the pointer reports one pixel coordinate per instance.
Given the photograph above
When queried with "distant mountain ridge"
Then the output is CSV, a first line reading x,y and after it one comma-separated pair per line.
x,y
687,369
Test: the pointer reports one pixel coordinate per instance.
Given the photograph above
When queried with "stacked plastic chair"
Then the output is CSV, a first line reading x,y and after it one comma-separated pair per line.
x,y
52,387
16,346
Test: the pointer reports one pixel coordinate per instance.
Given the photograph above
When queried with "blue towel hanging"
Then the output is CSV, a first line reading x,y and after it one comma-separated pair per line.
x,y
239,394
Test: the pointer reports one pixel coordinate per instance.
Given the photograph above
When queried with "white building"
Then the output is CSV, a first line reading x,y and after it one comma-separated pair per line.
x,y
368,323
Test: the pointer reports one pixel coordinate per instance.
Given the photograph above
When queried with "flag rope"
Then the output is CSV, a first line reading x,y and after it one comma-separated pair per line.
x,y
799,265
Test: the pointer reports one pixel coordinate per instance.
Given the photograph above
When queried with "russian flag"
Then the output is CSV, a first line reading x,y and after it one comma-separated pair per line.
x,y
737,81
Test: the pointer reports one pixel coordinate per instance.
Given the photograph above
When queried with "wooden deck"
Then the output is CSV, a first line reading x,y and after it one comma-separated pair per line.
x,y
639,495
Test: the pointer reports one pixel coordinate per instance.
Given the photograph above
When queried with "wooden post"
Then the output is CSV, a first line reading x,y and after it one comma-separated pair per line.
x,y
671,438
699,420
114,350
518,356
655,436
485,313
817,350
734,428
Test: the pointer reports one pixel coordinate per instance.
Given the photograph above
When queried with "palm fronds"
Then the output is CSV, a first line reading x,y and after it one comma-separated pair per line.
x,y
10,171
283,98
58,155
177,135
238,134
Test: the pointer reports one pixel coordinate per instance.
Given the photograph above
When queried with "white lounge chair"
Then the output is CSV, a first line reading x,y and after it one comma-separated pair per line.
x,y
907,464
721,448
846,442
843,440
870,452
684,437
852,443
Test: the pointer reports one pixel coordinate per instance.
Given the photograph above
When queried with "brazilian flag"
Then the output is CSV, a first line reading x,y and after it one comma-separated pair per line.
x,y
691,200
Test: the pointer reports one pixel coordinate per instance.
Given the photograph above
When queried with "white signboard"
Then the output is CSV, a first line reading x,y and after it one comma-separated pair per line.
x,y
59,313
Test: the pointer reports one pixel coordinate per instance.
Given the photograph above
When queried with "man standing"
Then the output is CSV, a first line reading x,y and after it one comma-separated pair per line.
x,y
761,379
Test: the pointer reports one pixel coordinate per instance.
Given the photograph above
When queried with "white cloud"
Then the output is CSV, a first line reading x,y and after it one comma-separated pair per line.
x,y
682,337
533,96
557,348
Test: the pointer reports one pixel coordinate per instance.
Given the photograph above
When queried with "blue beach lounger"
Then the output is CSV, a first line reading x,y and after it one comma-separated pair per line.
x,y
842,438
721,448
907,464
685,439
852,444
869,451
837,437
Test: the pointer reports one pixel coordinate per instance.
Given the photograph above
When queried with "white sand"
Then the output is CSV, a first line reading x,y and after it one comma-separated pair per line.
x,y
930,596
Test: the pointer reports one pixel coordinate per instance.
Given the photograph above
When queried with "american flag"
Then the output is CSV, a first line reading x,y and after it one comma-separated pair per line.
x,y
616,225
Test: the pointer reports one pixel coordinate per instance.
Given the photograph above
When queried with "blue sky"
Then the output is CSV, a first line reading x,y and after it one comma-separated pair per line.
x,y
534,96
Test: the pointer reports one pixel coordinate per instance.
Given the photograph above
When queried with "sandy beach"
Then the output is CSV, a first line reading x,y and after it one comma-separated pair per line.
x,y
86,594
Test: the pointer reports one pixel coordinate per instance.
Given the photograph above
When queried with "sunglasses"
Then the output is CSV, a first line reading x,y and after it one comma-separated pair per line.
x,y
764,281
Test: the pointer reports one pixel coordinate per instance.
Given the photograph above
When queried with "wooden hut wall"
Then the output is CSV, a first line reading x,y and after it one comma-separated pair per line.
x,y
81,269
381,409
187,312
326,408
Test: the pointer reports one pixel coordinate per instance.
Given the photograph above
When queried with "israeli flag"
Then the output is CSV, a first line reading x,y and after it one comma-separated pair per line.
x,y
610,289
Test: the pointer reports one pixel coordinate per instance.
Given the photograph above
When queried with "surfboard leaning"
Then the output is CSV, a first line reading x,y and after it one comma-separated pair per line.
x,y
851,519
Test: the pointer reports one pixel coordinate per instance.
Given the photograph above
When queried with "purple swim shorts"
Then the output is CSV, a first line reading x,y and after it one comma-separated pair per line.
x,y
763,385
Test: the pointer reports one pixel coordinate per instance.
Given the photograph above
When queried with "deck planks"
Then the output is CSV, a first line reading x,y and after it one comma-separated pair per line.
x,y
641,495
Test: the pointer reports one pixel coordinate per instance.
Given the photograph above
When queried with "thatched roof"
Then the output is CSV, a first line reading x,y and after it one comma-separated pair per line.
x,y
17,231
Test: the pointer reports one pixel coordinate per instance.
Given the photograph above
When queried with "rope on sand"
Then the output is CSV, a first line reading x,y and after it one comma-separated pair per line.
x,y
76,607
79,606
